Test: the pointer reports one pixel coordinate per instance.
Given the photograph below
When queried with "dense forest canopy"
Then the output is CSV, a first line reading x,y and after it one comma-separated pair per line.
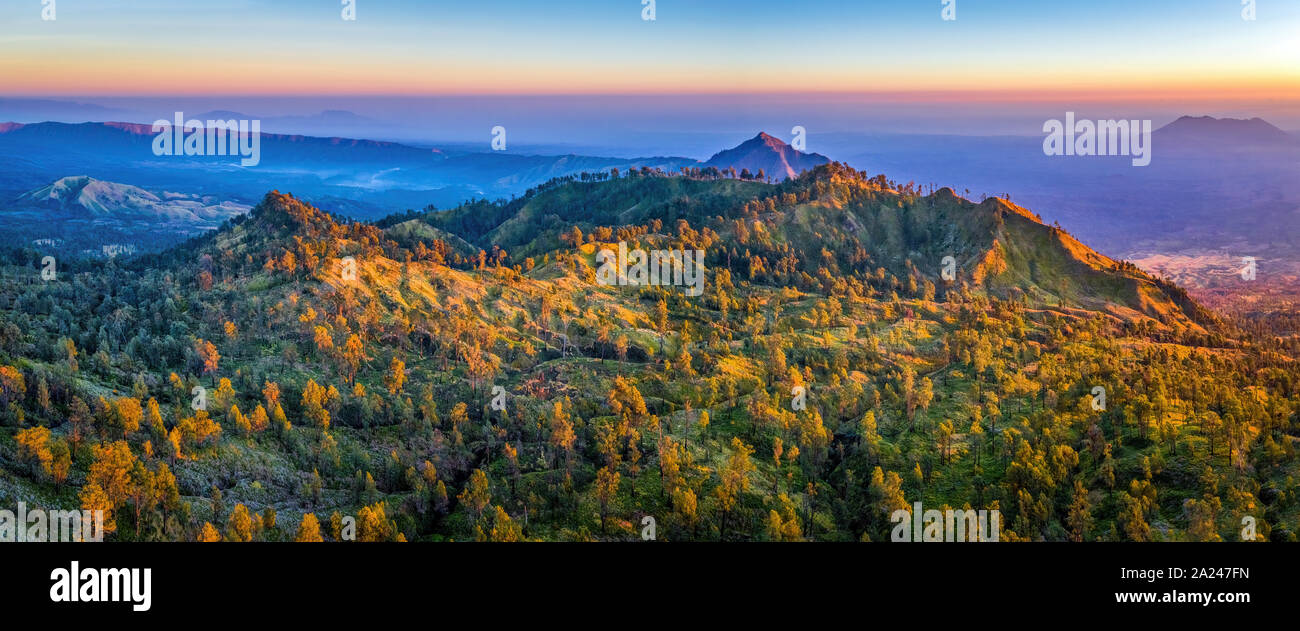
x,y
462,375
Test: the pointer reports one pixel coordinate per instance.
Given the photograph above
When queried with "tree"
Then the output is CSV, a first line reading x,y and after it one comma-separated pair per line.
x,y
259,420
268,518
562,436
1131,518
324,342
129,414
308,530
209,533
505,529
373,524
1210,424
80,419
396,376
354,352
33,445
108,482
174,439
271,392
686,506
606,491
886,492
1080,518
142,493
70,353
477,494
944,440
314,398
734,480
670,471
12,385
208,356
165,491
620,347
224,397
784,525
61,460
153,416
241,421
925,394
279,420
603,333
240,527
661,321
626,401
43,395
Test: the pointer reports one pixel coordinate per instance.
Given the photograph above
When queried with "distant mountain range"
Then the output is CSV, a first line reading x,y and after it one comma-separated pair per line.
x,y
119,180
1214,184
1221,133
325,123
361,178
29,109
1217,189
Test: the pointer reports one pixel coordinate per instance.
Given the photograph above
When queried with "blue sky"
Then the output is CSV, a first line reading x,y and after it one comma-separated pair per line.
x,y
1002,66
586,46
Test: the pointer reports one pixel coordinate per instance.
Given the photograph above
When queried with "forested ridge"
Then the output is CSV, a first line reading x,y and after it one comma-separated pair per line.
x,y
349,369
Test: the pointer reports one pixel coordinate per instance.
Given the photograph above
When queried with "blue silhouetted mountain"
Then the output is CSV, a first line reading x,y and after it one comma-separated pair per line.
x,y
769,154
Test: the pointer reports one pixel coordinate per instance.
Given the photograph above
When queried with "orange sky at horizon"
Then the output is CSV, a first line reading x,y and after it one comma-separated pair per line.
x,y
52,77
1149,53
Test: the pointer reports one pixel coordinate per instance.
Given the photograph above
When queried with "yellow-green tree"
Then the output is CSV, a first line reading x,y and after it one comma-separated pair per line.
x,y
259,420
734,480
308,529
108,482
477,494
224,396
396,376
505,529
606,491
129,414
209,533
354,352
240,527
61,463
33,445
241,422
314,398
373,524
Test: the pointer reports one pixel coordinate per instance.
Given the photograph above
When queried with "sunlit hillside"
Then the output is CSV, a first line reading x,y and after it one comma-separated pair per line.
x,y
859,345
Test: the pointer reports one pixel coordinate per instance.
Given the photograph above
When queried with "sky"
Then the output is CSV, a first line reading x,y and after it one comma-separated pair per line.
x,y
1166,56
604,46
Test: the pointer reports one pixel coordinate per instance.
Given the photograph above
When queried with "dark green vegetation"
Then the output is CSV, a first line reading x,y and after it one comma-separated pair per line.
x,y
334,394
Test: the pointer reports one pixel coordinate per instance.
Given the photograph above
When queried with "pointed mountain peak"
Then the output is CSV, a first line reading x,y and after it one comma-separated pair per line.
x,y
769,154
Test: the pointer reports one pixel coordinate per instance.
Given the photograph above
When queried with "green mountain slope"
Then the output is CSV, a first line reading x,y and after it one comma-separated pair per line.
x,y
839,219
464,375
